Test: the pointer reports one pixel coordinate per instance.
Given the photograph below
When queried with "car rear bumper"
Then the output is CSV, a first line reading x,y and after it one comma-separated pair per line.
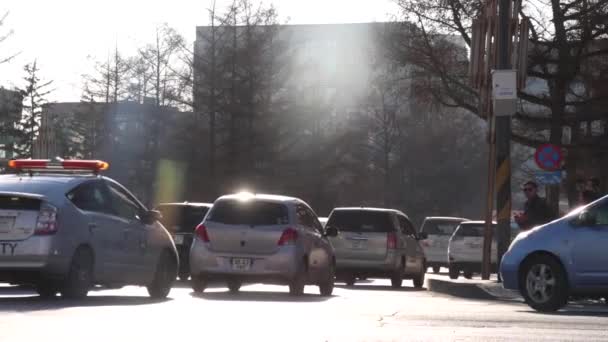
x,y
369,267
435,257
31,259
280,265
471,266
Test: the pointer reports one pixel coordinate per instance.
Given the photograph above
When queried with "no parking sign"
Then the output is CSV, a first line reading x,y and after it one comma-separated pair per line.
x,y
549,157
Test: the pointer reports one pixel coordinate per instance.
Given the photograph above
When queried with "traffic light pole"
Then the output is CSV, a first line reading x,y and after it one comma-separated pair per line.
x,y
503,140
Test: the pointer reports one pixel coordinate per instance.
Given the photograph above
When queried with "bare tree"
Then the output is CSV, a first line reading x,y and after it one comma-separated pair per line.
x,y
565,37
3,37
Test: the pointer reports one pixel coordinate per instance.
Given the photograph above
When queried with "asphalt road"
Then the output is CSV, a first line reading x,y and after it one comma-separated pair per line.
x,y
371,311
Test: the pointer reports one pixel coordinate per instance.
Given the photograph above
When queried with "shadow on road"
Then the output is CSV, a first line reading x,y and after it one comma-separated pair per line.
x,y
23,299
577,309
379,288
259,296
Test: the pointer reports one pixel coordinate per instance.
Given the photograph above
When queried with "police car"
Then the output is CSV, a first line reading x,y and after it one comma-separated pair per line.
x,y
65,228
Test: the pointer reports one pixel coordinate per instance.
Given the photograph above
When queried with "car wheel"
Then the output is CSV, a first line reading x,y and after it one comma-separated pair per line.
x,y
164,277
199,283
296,285
326,287
436,269
419,278
454,273
543,284
80,276
468,274
397,277
46,289
234,286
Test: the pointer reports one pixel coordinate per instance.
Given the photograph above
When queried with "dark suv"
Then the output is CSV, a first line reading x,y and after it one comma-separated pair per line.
x,y
181,219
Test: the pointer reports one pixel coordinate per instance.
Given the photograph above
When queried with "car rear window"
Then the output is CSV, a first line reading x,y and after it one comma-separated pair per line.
x,y
471,230
438,227
19,203
251,212
182,218
361,221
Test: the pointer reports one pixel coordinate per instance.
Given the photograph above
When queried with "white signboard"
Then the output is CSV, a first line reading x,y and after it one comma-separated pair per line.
x,y
504,84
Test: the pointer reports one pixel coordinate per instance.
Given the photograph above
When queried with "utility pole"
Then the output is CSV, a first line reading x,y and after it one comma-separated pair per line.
x,y
503,139
499,41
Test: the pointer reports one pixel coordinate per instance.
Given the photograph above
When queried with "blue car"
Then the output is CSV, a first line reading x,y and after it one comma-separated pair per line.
x,y
564,258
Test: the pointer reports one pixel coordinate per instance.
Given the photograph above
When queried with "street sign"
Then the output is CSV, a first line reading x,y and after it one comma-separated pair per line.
x,y
549,157
504,92
549,177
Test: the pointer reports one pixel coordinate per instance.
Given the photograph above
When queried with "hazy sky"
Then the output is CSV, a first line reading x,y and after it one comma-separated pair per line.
x,y
65,34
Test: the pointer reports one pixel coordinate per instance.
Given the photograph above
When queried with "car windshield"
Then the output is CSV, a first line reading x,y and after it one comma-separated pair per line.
x,y
182,218
439,227
249,212
361,221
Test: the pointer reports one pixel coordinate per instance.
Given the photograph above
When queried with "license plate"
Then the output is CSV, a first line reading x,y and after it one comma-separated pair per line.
x,y
6,223
359,244
241,264
179,239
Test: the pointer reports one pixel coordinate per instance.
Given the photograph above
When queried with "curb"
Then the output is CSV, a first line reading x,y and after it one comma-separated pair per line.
x,y
456,289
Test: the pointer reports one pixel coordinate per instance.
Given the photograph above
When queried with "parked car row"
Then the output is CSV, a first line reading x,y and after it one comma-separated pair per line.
x,y
65,228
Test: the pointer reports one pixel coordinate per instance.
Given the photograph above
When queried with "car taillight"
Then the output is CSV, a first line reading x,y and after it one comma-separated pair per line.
x,y
289,237
201,233
391,241
47,220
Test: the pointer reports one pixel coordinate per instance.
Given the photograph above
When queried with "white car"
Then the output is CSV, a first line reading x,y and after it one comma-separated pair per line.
x,y
465,250
438,231
323,221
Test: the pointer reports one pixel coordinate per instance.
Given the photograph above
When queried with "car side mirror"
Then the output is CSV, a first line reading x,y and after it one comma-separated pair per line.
x,y
587,218
331,231
151,216
423,236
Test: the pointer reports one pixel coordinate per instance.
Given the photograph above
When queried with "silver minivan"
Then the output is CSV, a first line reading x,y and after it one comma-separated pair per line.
x,y
376,243
262,238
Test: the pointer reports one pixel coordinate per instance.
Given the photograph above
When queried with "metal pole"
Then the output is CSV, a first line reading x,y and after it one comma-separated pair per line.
x,y
487,239
503,141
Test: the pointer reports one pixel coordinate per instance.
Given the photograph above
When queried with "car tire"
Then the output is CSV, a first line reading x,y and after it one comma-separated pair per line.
x,y
436,269
184,275
234,286
543,284
199,283
164,277
454,273
419,278
326,287
297,284
79,280
468,274
46,289
397,277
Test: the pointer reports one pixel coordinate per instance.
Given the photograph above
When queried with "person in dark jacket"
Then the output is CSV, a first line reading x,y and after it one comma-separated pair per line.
x,y
591,191
536,210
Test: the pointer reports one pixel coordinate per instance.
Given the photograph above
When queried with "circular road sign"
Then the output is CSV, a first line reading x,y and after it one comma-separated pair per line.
x,y
549,157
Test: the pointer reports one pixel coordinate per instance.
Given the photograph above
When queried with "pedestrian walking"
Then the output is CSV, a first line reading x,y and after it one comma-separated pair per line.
x,y
591,192
536,210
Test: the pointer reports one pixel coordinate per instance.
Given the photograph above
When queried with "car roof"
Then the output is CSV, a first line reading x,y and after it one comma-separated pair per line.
x,y
264,197
42,184
185,204
475,222
368,209
446,218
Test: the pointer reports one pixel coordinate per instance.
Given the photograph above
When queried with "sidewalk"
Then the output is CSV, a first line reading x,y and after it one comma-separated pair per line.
x,y
471,288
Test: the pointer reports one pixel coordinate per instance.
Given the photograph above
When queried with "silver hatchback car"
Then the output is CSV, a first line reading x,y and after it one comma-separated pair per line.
x,y
67,232
377,243
262,238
